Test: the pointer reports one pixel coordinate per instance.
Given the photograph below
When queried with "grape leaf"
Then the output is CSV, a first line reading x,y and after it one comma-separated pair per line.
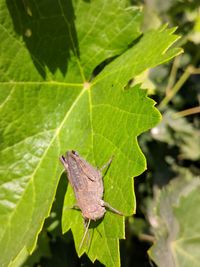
x,y
176,210
178,132
54,97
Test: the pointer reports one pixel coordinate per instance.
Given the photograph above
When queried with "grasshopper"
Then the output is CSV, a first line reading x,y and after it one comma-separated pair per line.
x,y
87,184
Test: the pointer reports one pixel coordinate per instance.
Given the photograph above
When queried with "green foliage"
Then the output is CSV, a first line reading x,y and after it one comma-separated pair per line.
x,y
172,147
178,132
175,223
55,96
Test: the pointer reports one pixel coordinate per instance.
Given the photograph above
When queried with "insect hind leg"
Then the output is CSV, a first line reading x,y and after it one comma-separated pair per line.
x,y
107,205
86,226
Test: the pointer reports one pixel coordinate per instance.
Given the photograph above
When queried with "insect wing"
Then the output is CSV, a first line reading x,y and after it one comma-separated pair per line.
x,y
75,175
91,172
83,177
93,178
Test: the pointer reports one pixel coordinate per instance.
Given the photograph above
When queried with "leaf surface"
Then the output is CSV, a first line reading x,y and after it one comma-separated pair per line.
x,y
177,243
51,102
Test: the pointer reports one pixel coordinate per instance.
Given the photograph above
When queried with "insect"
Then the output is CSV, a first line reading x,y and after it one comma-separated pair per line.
x,y
87,184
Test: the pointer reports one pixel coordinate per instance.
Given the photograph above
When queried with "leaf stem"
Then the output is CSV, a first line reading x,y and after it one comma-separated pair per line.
x,y
189,71
147,238
187,112
172,75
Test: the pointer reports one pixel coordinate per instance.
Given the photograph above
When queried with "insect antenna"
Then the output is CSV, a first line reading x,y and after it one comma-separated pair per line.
x,y
86,231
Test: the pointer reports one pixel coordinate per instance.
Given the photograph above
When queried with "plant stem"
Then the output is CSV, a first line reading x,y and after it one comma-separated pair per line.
x,y
147,238
189,71
172,75
187,112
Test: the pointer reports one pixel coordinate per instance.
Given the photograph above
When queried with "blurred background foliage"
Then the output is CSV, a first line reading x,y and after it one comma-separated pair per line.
x,y
172,150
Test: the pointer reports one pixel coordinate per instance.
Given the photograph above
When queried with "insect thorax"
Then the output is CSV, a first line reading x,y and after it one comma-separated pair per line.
x,y
93,212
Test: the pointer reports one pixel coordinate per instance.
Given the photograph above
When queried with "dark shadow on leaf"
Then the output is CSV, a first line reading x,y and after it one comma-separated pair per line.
x,y
48,30
135,41
57,207
94,224
93,227
101,66
107,61
129,84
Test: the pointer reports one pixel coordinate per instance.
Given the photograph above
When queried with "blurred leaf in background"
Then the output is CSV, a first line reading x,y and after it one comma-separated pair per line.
x,y
174,219
172,147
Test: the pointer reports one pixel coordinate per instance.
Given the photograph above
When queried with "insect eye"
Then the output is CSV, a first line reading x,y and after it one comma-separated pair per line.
x,y
75,152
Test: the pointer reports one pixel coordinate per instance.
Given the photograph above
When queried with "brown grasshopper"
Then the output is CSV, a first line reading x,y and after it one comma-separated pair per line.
x,y
87,183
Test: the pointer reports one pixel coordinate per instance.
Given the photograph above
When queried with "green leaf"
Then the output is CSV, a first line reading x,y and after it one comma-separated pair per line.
x,y
175,223
178,132
51,102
